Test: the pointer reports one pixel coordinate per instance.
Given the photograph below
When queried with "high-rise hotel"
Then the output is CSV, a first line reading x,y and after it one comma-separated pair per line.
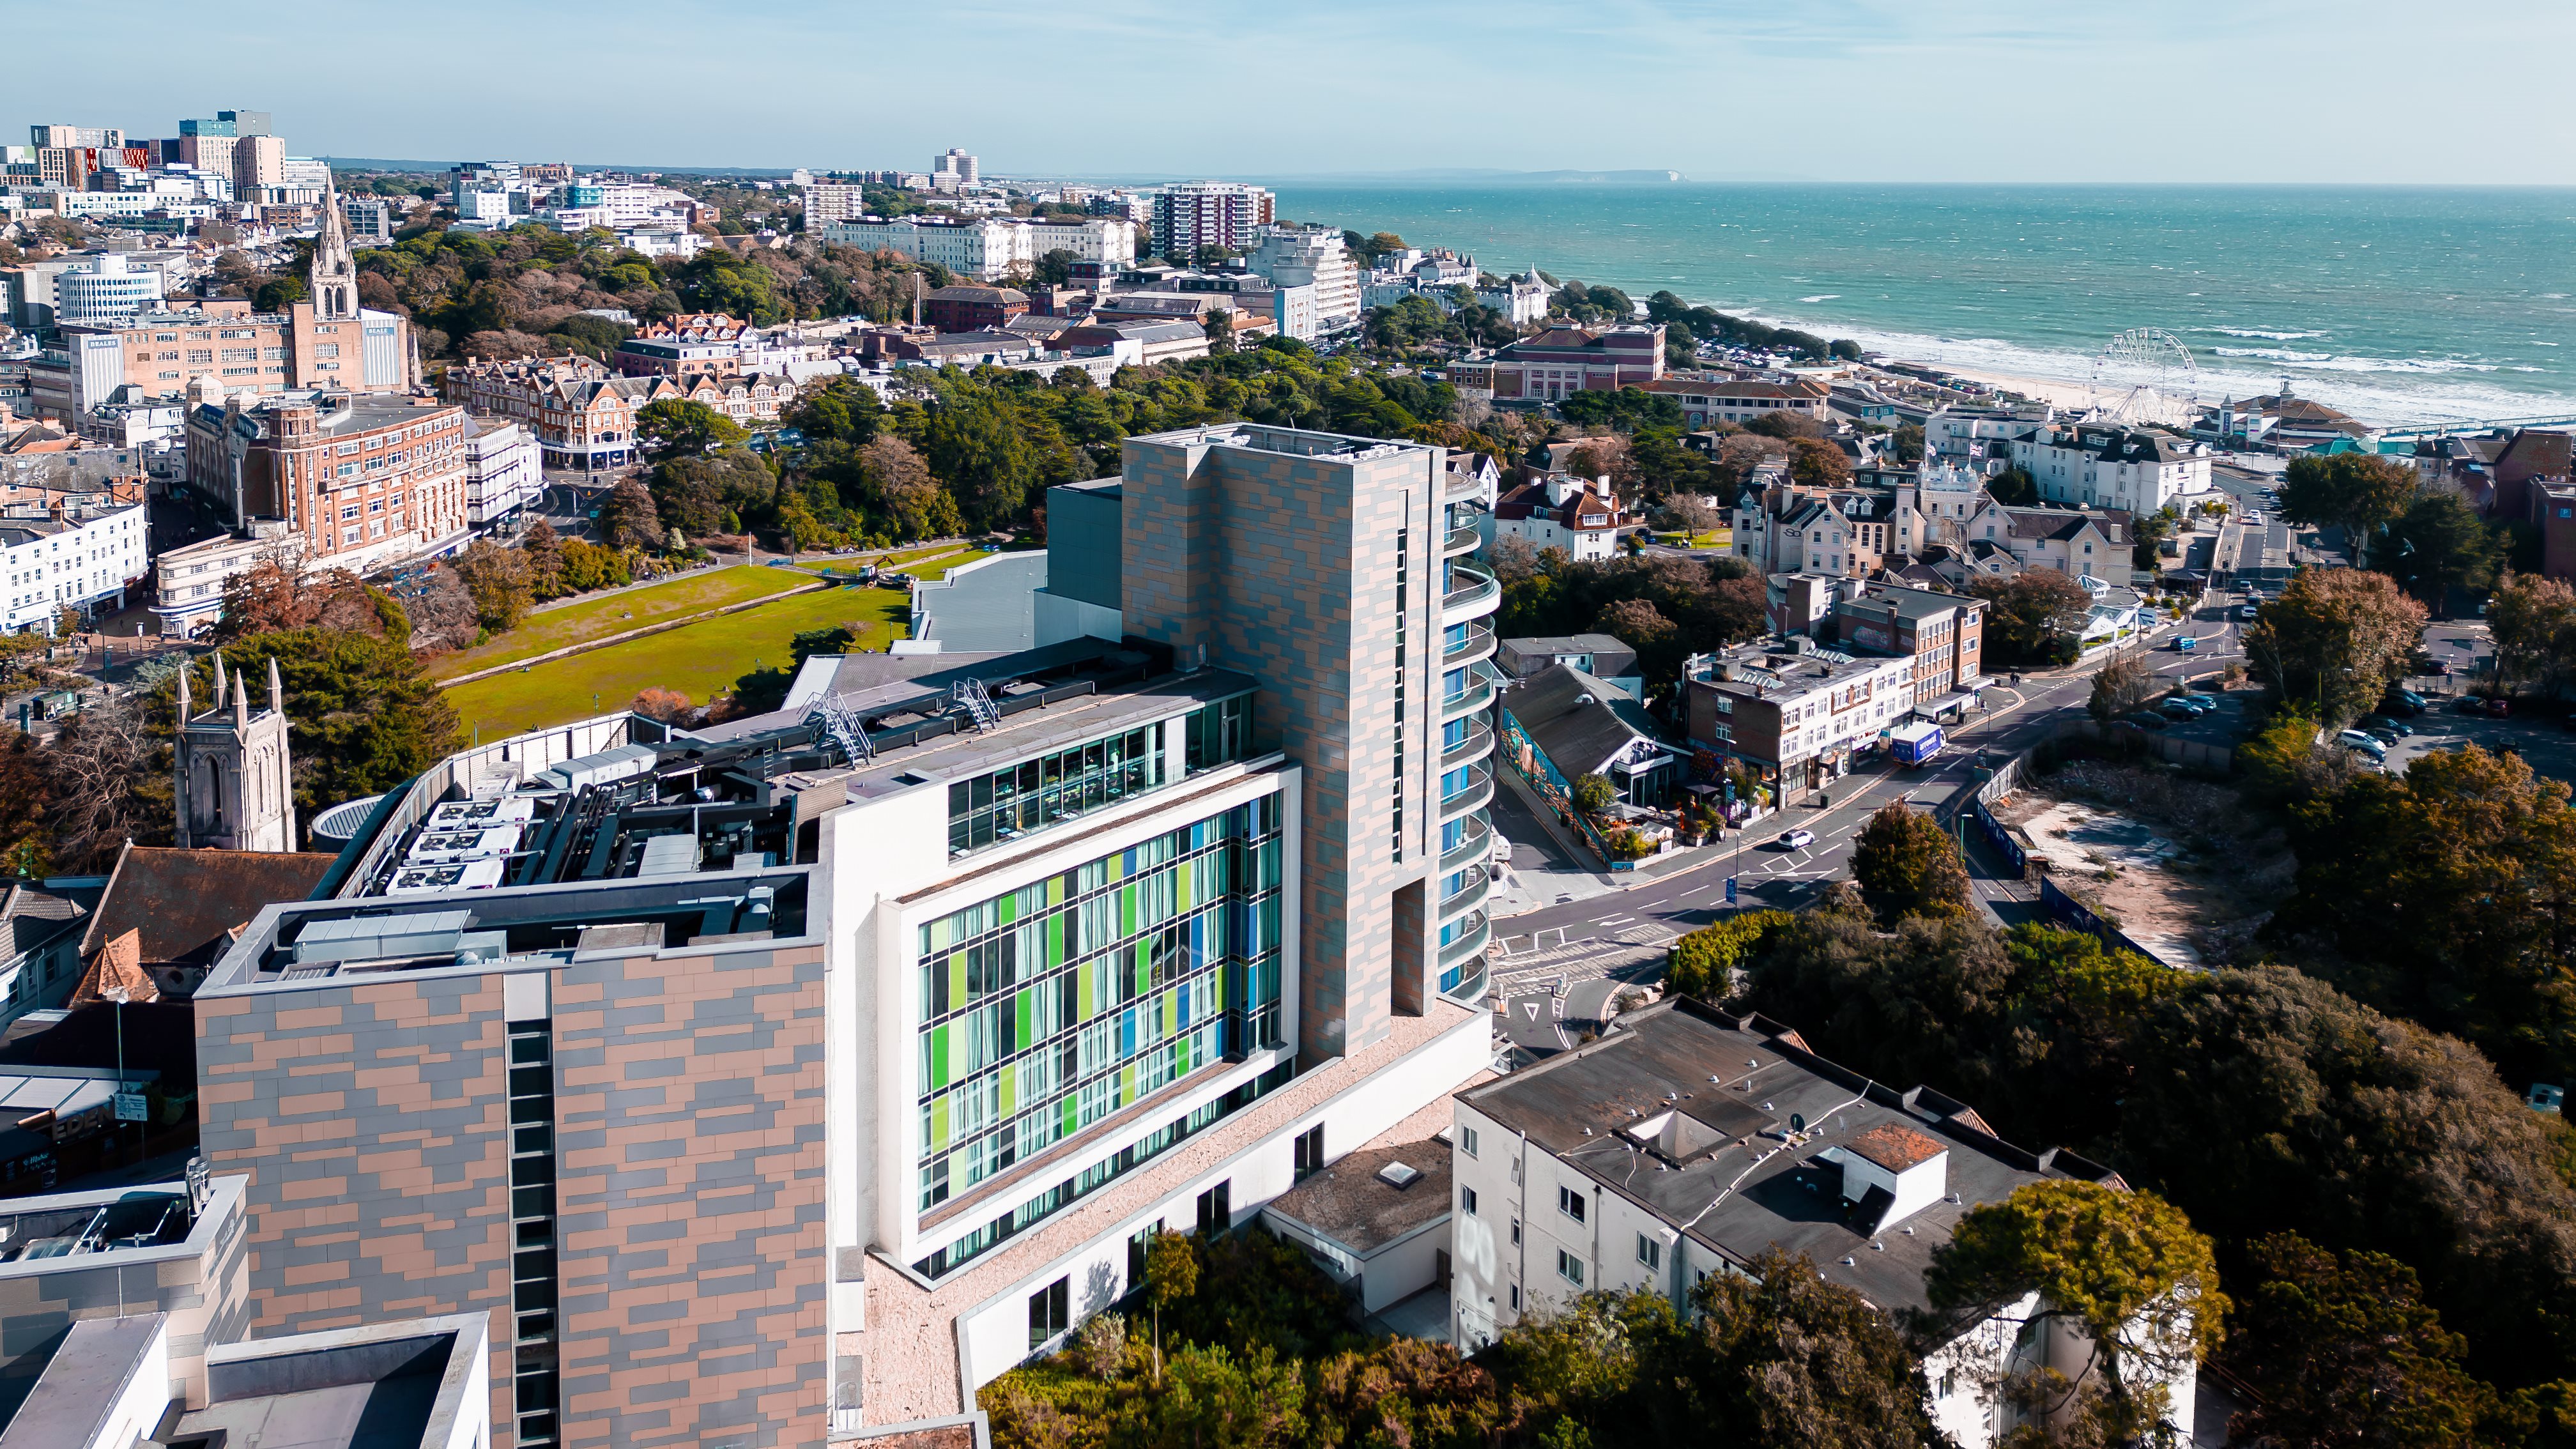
x,y
787,1080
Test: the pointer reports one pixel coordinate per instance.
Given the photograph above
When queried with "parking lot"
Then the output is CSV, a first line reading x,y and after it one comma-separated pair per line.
x,y
2545,743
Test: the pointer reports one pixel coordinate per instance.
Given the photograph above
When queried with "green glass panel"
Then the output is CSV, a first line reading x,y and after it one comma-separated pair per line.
x,y
938,1124
938,1056
1088,1000
1055,933
1022,1040
956,981
1070,1114
1010,1093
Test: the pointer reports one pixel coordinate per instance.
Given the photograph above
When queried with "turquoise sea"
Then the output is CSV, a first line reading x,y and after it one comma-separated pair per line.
x,y
2398,304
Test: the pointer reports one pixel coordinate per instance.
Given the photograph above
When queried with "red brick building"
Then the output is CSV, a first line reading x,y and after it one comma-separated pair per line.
x,y
973,309
1566,360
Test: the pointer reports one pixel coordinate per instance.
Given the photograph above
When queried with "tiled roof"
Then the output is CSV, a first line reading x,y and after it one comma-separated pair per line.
x,y
181,902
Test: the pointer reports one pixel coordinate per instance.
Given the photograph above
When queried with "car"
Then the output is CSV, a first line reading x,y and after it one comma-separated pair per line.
x,y
2188,706
2248,612
2468,704
2386,737
1794,840
2185,643
2499,708
2382,725
2437,668
2145,719
2356,740
2402,702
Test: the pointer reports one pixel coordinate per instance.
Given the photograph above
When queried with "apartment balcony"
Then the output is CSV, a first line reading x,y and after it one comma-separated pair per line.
x,y
1476,844
1479,885
1478,744
1478,644
1453,488
1473,795
1460,541
1476,595
1478,694
1474,934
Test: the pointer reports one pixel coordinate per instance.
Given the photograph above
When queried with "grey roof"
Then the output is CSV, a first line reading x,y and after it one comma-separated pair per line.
x,y
1610,658
1578,736
35,915
2065,523
80,1386
1785,1185
986,606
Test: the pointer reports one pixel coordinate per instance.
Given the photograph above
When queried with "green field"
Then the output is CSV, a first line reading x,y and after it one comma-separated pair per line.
x,y
903,563
598,618
700,660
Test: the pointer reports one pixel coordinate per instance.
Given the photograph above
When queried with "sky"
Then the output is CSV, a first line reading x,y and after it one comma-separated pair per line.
x,y
2342,91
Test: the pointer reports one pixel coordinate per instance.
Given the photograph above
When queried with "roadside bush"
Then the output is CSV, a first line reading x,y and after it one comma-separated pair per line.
x,y
1703,963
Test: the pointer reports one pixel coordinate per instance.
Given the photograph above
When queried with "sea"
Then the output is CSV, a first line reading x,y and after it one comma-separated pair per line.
x,y
2401,305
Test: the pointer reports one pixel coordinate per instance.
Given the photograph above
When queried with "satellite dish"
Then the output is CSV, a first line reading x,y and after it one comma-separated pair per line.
x,y
1797,1121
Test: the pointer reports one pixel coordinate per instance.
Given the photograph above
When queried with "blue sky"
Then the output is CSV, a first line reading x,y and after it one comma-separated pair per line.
x,y
1921,90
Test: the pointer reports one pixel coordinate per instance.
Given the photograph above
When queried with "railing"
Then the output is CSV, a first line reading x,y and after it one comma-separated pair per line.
x,y
1478,643
1457,486
1467,899
1468,942
1475,595
1470,990
1472,796
1478,744
1478,693
1475,844
1461,541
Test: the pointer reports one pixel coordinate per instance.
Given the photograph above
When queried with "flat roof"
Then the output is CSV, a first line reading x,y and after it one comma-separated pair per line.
x,y
1349,1203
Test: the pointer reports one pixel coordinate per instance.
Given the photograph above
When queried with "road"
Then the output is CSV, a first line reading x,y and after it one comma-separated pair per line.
x,y
1601,942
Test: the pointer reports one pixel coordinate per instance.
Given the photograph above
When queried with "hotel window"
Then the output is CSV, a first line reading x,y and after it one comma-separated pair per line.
x,y
1569,1267
1649,1252
1467,1201
1570,1203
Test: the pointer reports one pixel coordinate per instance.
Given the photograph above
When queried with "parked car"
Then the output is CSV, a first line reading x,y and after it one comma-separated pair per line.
x,y
2402,704
2145,719
1795,840
2385,737
2356,740
2436,668
2499,708
2248,612
2383,726
2184,707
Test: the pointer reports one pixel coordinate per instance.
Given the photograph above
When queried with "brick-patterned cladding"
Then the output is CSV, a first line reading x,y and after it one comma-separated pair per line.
x,y
689,1100
1284,566
202,1295
371,1118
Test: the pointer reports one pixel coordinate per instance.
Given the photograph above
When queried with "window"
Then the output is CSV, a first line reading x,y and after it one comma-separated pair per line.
x,y
1516,1232
1138,1243
1516,1298
1216,1209
1467,1140
1569,1267
1310,1152
1467,1201
1048,1312
1570,1203
1649,1252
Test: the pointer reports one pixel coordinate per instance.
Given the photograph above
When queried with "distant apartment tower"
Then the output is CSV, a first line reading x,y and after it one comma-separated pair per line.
x,y
955,163
788,1080
259,164
1195,214
830,201
94,138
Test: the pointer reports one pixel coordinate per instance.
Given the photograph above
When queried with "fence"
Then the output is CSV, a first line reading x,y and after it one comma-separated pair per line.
x,y
2067,909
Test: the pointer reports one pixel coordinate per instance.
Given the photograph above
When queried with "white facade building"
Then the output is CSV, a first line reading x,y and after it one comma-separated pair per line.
x,y
1310,257
2094,465
1980,439
503,469
986,249
108,289
830,201
1195,214
55,562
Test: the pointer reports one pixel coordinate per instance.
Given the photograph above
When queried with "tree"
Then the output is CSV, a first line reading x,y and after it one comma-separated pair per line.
x,y
1703,963
1786,426
2356,492
2013,487
2122,684
544,549
2150,531
2035,619
913,503
499,581
2127,1269
362,715
1907,441
2449,894
2438,544
627,519
977,446
104,784
1907,860
1815,464
1171,1275
1403,1391
1594,794
2340,1350
675,427
2335,639
2532,619
2284,762
1779,1356
1641,626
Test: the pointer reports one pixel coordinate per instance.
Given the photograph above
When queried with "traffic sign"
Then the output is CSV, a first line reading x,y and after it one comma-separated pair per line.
x,y
1730,890
130,1107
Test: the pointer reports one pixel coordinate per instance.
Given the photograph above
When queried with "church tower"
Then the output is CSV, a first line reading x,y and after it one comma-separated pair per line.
x,y
233,787
335,273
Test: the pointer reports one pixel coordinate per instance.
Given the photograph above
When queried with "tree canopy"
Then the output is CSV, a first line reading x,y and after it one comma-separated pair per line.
x,y
2335,640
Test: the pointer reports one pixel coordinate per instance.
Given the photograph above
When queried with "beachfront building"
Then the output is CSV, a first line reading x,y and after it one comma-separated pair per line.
x,y
1707,399
1009,959
2135,470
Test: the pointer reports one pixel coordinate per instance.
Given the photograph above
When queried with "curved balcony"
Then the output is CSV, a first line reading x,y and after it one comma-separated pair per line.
x,y
1478,694
1476,844
1475,934
1457,486
1476,595
1479,885
1478,744
1478,644
1470,990
1460,541
1478,790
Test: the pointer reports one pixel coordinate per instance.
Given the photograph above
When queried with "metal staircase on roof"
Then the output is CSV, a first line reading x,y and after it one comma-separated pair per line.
x,y
979,705
845,727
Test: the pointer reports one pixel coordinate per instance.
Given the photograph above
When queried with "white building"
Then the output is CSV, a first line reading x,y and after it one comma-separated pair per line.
x,y
987,249
1310,257
830,201
961,169
188,583
62,560
503,471
1935,506
1687,1143
108,289
2100,465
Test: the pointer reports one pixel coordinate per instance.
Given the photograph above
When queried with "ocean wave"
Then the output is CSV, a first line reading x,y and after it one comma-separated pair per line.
x,y
2259,332
2330,362
1822,297
2273,354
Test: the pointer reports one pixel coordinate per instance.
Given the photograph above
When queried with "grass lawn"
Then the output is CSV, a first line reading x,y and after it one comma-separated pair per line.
x,y
701,660
599,618
938,570
1714,538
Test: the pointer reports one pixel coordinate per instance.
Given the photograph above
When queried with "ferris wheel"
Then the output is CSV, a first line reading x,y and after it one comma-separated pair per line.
x,y
2145,374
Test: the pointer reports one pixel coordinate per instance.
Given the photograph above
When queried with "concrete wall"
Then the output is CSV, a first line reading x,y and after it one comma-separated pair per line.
x,y
1082,545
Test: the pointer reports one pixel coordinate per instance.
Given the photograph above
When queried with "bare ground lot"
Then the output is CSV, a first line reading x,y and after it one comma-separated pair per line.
x,y
2176,861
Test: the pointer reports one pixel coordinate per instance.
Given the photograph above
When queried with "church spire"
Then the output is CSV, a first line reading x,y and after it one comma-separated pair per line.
x,y
335,274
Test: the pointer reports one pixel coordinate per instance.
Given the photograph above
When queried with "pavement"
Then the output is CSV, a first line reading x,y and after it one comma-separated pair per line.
x,y
1596,941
